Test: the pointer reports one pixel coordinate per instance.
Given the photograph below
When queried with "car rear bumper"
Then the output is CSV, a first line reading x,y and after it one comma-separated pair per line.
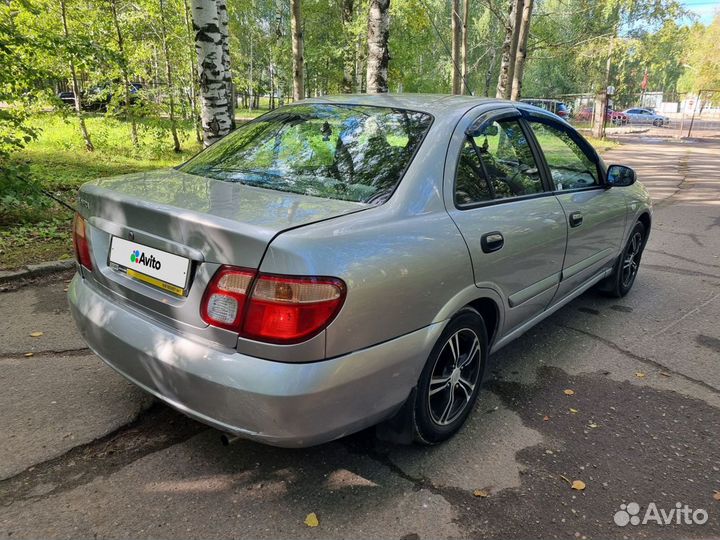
x,y
283,404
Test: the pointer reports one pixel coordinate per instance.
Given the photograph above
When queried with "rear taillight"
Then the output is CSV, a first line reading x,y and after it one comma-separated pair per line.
x,y
272,308
225,297
81,242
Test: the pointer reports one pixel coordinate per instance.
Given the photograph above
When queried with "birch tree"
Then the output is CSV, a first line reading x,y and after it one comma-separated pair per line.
x,y
509,50
378,56
297,50
215,119
75,85
229,87
521,54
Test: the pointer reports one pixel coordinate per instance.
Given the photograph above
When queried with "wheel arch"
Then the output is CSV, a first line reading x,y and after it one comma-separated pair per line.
x,y
490,313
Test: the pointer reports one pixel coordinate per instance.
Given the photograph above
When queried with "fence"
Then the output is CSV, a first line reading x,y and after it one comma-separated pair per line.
x,y
685,115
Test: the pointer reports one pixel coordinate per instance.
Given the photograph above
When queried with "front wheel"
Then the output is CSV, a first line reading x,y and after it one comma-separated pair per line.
x,y
657,123
450,382
626,269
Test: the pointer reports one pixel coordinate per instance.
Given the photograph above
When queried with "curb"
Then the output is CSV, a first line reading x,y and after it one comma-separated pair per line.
x,y
35,270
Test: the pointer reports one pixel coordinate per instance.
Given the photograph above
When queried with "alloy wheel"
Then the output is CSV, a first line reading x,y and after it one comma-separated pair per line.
x,y
454,377
631,261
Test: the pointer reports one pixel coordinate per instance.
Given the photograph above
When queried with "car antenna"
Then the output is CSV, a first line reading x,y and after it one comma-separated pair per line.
x,y
447,49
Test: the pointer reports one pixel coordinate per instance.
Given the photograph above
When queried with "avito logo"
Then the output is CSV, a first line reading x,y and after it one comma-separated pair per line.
x,y
139,257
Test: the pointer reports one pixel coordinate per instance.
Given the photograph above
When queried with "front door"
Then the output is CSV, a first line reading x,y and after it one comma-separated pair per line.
x,y
595,215
514,227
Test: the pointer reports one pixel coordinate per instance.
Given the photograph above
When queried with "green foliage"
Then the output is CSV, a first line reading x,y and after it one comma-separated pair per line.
x,y
702,58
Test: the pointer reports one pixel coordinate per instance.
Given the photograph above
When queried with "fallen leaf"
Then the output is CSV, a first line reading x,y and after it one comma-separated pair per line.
x,y
574,411
664,374
569,392
36,334
481,493
28,354
579,485
639,374
566,479
592,425
312,520
716,495
546,418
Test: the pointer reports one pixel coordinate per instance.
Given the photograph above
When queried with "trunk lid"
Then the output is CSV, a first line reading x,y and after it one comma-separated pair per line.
x,y
210,222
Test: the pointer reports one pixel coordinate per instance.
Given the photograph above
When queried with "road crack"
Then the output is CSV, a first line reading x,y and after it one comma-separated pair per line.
x,y
642,359
155,429
65,352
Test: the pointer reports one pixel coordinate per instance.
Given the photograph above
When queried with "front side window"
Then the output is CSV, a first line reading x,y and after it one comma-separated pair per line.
x,y
349,152
496,163
569,166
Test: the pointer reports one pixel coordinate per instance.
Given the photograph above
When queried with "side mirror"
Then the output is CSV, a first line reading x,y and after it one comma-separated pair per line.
x,y
620,176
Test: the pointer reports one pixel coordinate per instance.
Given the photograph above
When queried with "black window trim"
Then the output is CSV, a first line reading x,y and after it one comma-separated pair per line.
x,y
488,118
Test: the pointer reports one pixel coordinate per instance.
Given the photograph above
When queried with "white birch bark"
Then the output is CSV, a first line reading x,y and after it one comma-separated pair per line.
x,y
378,56
213,92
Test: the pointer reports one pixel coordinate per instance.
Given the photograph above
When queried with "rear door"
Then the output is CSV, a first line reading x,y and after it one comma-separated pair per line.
x,y
514,227
595,215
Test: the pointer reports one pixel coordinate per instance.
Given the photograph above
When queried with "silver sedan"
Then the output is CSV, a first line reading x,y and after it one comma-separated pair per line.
x,y
349,261
646,116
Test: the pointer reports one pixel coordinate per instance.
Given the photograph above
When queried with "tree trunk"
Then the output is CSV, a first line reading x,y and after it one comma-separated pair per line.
x,y
490,71
456,39
297,50
169,78
229,87
194,86
126,79
349,48
209,46
521,51
75,86
464,49
509,50
378,56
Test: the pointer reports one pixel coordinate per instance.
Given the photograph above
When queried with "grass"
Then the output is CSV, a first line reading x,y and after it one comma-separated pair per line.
x,y
35,229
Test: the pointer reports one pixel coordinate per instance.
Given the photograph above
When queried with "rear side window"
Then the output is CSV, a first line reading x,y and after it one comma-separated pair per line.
x,y
496,164
349,152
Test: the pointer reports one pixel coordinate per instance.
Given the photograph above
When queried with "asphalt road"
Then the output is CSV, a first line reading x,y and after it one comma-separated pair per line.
x,y
85,454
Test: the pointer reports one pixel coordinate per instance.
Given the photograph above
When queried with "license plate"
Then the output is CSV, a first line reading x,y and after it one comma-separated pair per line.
x,y
149,265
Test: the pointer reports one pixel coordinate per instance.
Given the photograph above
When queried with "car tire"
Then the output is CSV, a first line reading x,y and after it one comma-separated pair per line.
x,y
450,381
657,123
621,281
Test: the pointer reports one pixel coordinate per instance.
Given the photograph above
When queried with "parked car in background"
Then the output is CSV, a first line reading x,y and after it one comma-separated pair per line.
x,y
616,118
552,105
343,261
98,97
646,116
68,98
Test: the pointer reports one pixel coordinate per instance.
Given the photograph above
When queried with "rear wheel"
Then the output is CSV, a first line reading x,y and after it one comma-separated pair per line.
x,y
657,123
626,269
450,382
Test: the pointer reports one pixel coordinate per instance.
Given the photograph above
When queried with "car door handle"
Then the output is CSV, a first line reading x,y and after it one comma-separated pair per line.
x,y
492,241
576,219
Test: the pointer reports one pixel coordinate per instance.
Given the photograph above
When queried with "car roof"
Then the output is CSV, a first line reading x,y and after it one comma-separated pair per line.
x,y
435,104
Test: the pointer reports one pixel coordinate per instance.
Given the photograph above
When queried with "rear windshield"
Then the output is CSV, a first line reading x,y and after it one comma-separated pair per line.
x,y
349,152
